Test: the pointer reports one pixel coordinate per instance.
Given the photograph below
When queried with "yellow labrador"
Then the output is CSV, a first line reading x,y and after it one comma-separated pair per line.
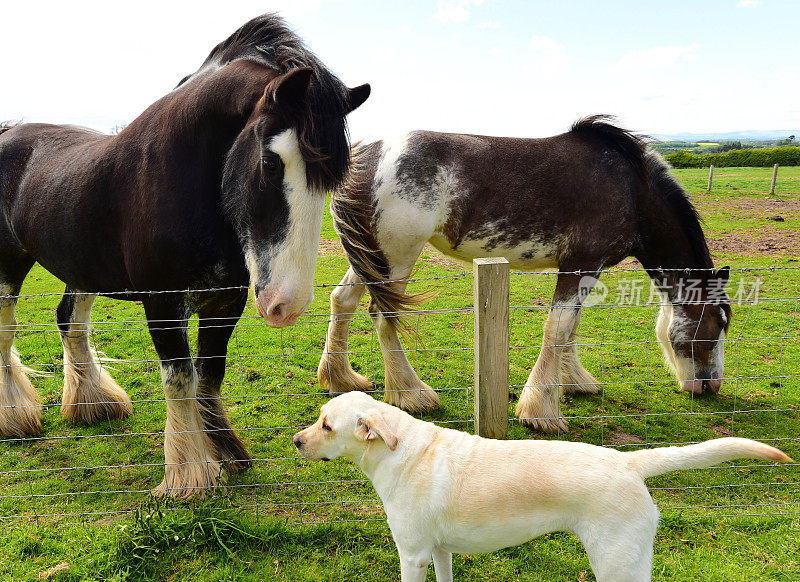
x,y
447,491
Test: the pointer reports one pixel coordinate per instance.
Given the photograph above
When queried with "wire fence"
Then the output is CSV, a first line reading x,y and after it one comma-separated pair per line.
x,y
95,473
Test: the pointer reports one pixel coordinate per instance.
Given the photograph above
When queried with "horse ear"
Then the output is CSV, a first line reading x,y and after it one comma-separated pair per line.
x,y
371,426
357,96
288,92
723,274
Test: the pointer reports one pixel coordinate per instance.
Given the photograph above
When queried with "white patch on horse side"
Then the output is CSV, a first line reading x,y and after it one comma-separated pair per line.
x,y
292,263
405,222
402,225
532,254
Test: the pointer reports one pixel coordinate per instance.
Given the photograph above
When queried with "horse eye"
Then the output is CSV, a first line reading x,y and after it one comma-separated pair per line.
x,y
271,165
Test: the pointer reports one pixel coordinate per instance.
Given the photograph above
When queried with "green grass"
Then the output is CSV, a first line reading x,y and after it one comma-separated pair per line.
x,y
80,494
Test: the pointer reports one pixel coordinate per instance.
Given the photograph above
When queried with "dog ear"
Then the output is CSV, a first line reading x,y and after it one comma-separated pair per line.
x,y
371,426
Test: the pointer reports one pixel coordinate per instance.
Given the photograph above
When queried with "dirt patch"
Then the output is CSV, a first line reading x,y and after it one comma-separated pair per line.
x,y
620,437
765,242
721,430
752,207
331,248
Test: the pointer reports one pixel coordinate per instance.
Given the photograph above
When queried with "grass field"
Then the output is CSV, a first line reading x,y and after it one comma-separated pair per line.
x,y
75,503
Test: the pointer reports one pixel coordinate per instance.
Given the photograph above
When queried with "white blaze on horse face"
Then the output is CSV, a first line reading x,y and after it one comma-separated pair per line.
x,y
672,323
291,264
662,333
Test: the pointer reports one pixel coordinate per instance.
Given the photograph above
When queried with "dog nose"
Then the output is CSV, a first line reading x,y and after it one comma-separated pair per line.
x,y
298,442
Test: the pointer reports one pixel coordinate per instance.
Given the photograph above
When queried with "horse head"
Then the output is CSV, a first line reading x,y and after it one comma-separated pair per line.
x,y
691,330
291,150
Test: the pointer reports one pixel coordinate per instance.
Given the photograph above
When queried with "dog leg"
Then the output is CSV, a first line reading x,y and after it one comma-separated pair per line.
x,y
334,373
443,565
620,546
414,566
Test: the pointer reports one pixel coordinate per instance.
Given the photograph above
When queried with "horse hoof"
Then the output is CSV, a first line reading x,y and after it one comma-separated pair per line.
x,y
92,396
583,388
337,381
414,400
190,480
546,425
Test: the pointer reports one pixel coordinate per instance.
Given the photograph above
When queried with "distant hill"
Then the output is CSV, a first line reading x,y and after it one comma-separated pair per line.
x,y
749,135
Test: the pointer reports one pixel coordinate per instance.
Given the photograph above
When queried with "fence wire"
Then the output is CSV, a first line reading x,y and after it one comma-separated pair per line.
x,y
93,473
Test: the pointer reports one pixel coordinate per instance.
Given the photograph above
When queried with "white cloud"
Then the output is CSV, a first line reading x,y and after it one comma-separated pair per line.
x,y
455,10
489,24
658,57
548,54
749,3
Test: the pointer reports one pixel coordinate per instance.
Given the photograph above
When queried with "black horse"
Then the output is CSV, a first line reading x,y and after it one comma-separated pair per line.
x,y
219,183
578,202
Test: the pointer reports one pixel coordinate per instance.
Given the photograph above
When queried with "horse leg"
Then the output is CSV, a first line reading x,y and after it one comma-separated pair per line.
x,y
538,406
403,387
20,407
574,377
215,327
334,372
90,395
191,466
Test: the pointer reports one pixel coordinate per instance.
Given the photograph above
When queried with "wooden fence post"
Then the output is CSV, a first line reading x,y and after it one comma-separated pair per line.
x,y
491,296
710,177
774,178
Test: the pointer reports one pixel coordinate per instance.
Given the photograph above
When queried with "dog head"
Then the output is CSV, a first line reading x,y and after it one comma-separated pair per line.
x,y
346,425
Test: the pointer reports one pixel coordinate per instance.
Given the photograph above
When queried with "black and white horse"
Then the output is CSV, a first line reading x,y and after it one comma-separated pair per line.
x,y
577,202
218,184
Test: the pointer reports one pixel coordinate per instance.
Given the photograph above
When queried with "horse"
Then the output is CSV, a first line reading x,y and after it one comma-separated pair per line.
x,y
577,202
218,185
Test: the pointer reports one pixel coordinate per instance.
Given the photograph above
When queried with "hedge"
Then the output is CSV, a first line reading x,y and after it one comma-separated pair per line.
x,y
751,157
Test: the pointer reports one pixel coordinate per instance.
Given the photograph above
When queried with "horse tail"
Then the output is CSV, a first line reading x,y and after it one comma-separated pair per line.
x,y
353,212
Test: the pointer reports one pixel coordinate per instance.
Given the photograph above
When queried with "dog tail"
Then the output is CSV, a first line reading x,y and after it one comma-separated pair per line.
x,y
651,462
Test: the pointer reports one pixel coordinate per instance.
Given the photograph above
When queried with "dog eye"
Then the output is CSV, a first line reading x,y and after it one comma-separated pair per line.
x,y
326,426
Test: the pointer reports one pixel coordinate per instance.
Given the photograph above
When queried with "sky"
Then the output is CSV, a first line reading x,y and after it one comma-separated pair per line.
x,y
524,68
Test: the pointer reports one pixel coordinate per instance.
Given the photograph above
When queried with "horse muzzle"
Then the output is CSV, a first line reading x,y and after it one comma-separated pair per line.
x,y
279,309
711,384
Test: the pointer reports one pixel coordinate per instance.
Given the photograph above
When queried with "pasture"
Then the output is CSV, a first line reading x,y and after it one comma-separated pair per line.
x,y
79,495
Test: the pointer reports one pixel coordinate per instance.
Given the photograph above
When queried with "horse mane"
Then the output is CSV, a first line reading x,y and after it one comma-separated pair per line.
x,y
654,171
664,184
321,128
6,125
353,218
631,146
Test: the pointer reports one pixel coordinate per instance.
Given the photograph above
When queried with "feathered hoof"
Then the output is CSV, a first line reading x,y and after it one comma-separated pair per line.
x,y
576,380
190,480
531,414
232,453
581,387
414,400
20,406
338,379
91,397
